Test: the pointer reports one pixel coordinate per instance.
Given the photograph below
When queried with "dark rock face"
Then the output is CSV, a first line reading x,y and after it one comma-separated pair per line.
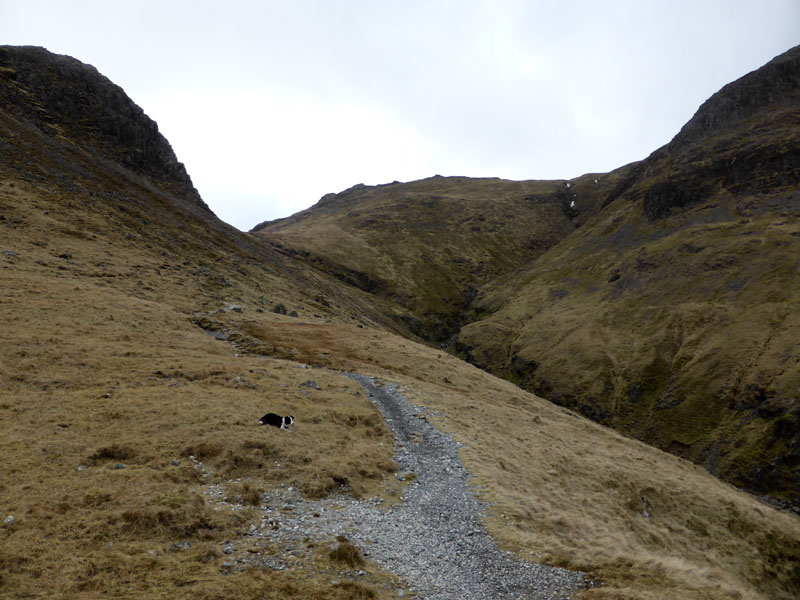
x,y
664,195
61,95
742,140
775,85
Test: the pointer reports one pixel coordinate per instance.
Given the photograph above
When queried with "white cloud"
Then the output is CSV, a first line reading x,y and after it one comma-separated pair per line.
x,y
279,152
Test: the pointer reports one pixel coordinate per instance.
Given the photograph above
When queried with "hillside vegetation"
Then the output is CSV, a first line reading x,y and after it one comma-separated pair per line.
x,y
428,246
659,299
672,315
141,339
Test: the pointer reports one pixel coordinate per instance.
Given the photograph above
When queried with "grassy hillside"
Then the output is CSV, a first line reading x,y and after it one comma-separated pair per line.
x,y
96,376
659,299
108,392
112,392
428,246
672,315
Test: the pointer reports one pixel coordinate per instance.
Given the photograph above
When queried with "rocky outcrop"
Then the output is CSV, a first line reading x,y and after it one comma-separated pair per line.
x,y
63,96
742,140
771,88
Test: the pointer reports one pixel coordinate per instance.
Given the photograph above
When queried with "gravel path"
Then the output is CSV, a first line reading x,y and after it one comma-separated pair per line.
x,y
433,539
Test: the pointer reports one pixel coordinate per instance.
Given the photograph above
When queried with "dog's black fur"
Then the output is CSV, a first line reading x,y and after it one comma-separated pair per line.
x,y
276,421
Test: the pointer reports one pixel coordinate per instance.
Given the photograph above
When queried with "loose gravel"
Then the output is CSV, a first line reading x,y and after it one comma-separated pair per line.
x,y
433,539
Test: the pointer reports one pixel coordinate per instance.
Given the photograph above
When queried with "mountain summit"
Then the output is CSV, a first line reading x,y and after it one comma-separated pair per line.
x,y
63,96
773,88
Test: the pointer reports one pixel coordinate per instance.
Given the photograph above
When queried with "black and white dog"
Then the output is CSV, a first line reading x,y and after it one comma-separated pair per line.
x,y
277,421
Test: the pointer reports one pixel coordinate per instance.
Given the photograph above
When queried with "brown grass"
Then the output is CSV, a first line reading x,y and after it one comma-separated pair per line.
x,y
100,370
105,530
421,247
692,349
572,493
347,554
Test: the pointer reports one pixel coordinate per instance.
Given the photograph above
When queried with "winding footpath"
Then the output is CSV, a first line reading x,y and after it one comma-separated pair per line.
x,y
434,539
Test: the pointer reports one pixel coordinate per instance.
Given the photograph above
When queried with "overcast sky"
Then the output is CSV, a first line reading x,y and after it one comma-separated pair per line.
x,y
273,104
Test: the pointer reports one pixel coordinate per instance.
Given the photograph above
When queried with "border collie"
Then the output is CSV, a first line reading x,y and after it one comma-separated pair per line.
x,y
276,421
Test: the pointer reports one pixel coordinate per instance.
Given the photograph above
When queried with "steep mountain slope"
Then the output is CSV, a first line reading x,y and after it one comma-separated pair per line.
x,y
659,299
111,395
672,315
61,96
131,459
428,245
76,137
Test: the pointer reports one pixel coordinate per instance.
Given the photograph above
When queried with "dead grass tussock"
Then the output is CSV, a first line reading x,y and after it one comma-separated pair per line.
x,y
203,449
356,591
244,493
345,553
112,452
